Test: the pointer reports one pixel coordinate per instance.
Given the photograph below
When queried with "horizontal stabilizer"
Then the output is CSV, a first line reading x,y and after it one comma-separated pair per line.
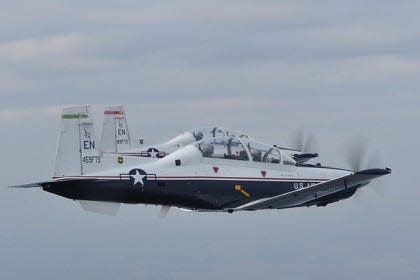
x,y
287,149
300,158
41,184
99,207
27,186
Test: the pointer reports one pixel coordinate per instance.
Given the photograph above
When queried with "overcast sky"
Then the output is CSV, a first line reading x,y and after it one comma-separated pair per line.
x,y
339,70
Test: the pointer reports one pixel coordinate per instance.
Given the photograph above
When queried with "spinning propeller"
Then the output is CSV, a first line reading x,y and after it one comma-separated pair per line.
x,y
304,142
356,154
359,158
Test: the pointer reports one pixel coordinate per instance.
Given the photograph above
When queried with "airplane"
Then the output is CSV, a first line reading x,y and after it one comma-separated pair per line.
x,y
116,140
221,174
115,136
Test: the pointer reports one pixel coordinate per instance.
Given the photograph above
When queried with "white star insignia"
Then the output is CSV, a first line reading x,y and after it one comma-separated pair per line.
x,y
153,154
138,178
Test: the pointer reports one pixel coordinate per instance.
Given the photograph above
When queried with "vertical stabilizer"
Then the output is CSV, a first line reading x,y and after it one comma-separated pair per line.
x,y
77,152
115,136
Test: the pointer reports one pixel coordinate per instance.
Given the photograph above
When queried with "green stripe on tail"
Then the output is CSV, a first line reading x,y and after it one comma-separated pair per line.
x,y
74,116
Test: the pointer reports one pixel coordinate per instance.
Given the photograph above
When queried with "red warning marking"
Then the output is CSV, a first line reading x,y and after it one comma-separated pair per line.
x,y
263,172
216,169
113,113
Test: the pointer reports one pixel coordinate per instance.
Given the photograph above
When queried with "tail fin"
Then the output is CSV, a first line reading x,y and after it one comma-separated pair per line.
x,y
115,136
77,152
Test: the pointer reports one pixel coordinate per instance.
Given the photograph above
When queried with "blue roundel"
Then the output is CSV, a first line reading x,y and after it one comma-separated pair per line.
x,y
153,152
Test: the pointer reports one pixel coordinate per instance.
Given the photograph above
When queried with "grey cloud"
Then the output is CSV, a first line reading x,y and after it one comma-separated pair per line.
x,y
188,37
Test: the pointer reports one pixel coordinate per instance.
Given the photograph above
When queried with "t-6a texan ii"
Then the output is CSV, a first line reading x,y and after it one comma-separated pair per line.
x,y
224,174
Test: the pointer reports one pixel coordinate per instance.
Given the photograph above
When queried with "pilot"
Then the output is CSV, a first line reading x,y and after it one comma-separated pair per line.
x,y
243,155
256,155
198,135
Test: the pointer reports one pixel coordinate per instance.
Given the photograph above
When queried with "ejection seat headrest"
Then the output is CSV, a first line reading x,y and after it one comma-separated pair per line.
x,y
208,149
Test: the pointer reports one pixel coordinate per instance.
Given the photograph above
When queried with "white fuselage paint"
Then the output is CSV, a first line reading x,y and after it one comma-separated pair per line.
x,y
195,167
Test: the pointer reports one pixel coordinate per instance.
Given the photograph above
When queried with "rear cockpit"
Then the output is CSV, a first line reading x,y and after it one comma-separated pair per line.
x,y
195,135
226,148
216,132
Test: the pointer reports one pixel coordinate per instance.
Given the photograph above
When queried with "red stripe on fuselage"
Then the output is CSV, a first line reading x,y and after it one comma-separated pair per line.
x,y
125,176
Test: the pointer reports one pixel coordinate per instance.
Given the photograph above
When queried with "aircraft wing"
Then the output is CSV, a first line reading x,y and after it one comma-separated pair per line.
x,y
302,196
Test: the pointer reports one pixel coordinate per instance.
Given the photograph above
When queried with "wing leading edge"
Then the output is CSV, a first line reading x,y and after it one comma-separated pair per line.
x,y
303,196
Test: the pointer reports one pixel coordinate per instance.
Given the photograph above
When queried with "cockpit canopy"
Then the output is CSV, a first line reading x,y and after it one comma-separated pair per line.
x,y
244,149
216,132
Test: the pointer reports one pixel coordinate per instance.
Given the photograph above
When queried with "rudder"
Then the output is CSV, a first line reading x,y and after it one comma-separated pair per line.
x,y
115,136
77,152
